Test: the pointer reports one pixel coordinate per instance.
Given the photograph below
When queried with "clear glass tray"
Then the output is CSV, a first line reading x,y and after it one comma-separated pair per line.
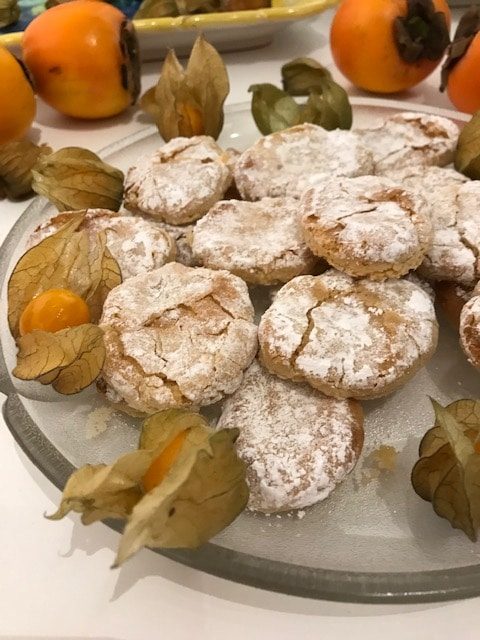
x,y
375,541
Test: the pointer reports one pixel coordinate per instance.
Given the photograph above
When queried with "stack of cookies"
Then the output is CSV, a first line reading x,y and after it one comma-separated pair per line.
x,y
334,223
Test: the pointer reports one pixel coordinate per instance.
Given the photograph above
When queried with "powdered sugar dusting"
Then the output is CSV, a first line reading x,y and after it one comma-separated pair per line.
x,y
177,336
297,443
259,241
179,182
287,162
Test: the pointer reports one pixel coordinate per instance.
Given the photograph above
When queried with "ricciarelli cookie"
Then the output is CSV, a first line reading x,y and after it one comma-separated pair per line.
x,y
262,242
137,245
348,338
177,336
288,162
367,226
470,328
455,209
407,139
297,443
180,182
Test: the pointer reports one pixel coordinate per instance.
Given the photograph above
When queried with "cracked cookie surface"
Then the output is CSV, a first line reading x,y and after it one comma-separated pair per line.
x,y
407,139
455,210
297,443
288,162
349,338
367,226
180,182
262,242
177,336
137,245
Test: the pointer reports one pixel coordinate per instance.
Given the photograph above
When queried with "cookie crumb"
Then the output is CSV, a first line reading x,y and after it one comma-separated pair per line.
x,y
97,421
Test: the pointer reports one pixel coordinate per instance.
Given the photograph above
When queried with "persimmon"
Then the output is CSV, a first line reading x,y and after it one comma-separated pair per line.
x,y
53,310
389,45
17,100
162,465
460,71
83,57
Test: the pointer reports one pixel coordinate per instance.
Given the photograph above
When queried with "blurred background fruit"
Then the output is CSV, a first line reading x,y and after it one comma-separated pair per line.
x,y
83,57
17,100
389,45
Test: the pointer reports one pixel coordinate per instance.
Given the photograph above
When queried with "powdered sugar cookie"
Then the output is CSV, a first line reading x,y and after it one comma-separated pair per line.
x,y
136,244
176,336
367,226
287,162
470,328
407,139
346,337
455,209
261,242
180,182
297,443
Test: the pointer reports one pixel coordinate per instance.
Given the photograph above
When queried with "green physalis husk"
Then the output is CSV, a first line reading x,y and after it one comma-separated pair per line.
x,y
203,491
75,178
467,154
448,471
327,105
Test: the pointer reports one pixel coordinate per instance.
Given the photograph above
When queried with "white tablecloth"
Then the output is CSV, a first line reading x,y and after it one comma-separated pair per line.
x,y
55,580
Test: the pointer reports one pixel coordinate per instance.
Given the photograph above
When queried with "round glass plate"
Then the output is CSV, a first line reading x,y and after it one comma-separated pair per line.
x,y
370,541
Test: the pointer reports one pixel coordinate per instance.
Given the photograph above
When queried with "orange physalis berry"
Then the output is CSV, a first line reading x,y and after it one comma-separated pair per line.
x,y
162,465
53,310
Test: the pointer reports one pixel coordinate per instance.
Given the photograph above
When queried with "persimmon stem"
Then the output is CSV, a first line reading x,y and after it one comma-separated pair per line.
x,y
467,29
422,33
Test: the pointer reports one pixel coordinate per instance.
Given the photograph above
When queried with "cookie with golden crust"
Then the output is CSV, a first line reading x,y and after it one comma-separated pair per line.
x,y
180,182
297,443
288,162
406,139
470,328
177,336
348,338
262,242
367,226
137,245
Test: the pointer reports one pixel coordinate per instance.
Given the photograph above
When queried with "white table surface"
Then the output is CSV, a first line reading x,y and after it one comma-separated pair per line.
x,y
55,580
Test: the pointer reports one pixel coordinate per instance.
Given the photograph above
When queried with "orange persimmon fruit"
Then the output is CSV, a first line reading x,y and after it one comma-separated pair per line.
x,y
387,46
17,100
54,310
83,58
164,462
460,70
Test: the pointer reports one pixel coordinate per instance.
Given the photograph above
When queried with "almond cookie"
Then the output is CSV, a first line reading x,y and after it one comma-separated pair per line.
x,y
136,244
455,210
367,226
470,328
262,242
176,336
297,443
349,338
407,139
180,182
287,162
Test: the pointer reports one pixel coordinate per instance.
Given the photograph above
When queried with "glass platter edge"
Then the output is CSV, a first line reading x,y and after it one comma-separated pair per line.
x,y
303,581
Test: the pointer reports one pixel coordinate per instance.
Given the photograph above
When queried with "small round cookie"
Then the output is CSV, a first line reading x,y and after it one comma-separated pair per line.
x,y
288,162
297,443
408,138
367,226
136,244
176,336
455,211
470,328
349,338
262,242
451,298
180,182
